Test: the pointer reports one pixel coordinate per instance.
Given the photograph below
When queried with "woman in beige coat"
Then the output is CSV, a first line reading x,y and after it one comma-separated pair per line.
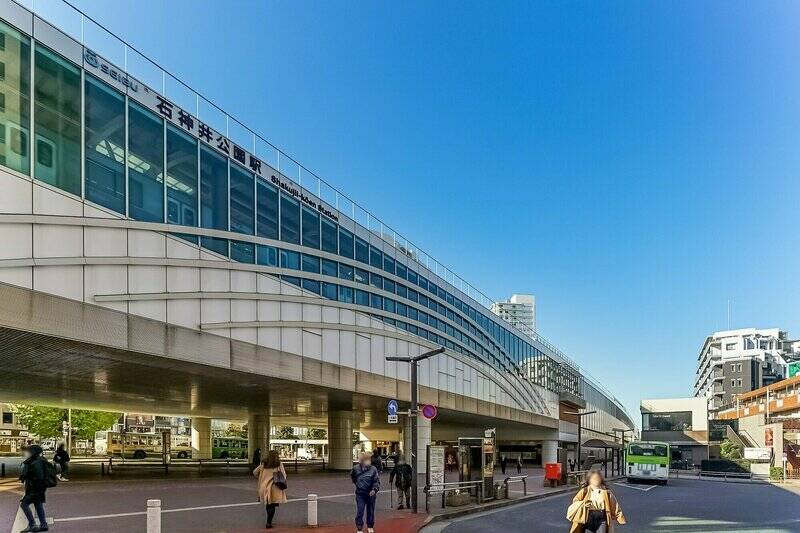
x,y
594,508
269,493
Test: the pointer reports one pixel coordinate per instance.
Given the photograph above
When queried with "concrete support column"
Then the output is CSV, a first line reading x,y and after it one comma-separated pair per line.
x,y
201,438
340,440
423,439
549,451
257,434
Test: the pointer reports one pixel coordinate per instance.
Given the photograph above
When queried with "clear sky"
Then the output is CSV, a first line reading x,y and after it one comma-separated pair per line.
x,y
633,164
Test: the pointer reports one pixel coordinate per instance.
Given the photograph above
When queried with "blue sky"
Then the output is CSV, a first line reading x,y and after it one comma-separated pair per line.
x,y
633,164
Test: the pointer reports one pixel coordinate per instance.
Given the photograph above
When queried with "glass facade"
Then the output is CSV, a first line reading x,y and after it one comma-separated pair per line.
x,y
140,165
676,421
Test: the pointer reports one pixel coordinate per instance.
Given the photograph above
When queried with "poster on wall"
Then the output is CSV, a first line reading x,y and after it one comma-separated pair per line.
x,y
768,437
436,464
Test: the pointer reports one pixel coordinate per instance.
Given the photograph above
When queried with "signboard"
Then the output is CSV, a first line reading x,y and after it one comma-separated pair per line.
x,y
436,464
768,437
391,407
392,419
758,454
429,411
794,369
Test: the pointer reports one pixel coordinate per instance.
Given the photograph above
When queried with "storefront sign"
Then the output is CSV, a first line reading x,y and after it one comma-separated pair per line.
x,y
758,454
436,465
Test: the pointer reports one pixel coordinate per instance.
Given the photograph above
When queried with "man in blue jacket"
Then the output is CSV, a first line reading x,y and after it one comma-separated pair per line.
x,y
368,483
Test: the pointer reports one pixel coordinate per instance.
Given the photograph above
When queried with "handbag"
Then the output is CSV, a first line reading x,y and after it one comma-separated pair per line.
x,y
577,512
279,479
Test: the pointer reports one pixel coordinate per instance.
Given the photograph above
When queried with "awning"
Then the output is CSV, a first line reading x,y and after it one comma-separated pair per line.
x,y
600,443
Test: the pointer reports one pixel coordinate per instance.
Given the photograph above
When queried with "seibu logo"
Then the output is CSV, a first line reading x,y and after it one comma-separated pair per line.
x,y
93,60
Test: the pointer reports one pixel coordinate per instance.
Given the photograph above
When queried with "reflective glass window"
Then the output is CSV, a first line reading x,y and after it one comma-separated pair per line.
x,y
361,297
412,277
330,268
266,210
375,301
213,197
345,243
413,329
311,285
329,290
423,317
412,313
15,113
104,120
243,205
57,121
310,228
388,285
345,271
432,288
362,250
388,264
290,259
345,294
361,276
401,290
375,257
412,295
423,300
244,252
422,282
402,309
401,270
182,196
291,279
329,239
310,263
290,219
267,255
145,165
376,280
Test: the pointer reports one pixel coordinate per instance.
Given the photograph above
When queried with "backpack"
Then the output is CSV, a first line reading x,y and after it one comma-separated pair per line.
x,y
50,474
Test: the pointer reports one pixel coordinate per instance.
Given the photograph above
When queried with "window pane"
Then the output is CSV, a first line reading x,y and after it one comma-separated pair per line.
x,y
388,264
311,285
388,305
361,276
329,290
388,285
181,180
213,197
267,255
310,263
376,281
267,212
310,228
412,277
412,295
375,257
345,294
345,271
104,113
145,165
290,259
345,243
243,209
329,241
57,94
244,252
330,268
401,290
291,279
375,301
362,250
362,297
290,220
15,114
401,270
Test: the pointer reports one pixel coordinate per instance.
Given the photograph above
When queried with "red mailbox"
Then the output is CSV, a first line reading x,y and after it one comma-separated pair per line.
x,y
552,471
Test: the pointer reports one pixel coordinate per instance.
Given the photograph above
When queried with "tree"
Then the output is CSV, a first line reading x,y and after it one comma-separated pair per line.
x,y
47,422
317,434
285,432
730,450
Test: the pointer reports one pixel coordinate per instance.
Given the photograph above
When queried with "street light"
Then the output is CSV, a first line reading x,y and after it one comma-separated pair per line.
x,y
579,415
412,413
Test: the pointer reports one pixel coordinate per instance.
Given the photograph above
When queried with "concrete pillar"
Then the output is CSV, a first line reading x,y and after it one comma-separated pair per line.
x,y
549,451
257,434
340,440
423,439
201,438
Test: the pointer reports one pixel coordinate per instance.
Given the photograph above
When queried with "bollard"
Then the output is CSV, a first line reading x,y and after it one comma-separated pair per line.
x,y
312,510
153,516
2,470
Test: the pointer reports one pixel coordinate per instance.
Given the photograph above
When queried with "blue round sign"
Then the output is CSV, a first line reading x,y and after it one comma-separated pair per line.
x,y
392,407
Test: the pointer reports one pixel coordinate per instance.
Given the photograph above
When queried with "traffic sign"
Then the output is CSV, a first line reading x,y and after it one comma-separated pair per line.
x,y
393,419
392,407
429,411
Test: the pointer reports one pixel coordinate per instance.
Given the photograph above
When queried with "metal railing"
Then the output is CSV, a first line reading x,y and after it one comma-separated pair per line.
x,y
516,479
452,486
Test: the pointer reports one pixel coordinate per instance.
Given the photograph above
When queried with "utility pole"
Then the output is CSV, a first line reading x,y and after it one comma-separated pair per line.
x,y
413,413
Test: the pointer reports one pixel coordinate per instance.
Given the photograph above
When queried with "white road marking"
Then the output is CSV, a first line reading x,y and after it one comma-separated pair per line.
x,y
636,487
19,522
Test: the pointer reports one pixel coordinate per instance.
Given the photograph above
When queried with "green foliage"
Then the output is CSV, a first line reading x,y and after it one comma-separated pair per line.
x,y
317,434
235,430
285,432
776,473
729,450
47,422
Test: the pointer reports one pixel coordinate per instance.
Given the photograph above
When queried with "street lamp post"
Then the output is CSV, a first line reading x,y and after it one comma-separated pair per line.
x,y
580,415
412,413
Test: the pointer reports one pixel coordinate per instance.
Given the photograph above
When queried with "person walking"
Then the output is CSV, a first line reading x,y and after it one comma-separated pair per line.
x,y
376,461
519,464
503,463
34,475
61,458
271,484
367,481
594,508
256,457
402,474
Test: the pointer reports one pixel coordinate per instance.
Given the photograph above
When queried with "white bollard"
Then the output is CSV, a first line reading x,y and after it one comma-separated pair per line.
x,y
312,510
153,516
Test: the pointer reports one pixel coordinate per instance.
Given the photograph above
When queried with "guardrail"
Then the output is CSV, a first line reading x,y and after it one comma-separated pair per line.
x,y
517,479
677,474
444,488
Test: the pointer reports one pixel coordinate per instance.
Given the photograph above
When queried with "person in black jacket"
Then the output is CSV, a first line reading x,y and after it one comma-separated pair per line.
x,y
34,474
367,481
402,474
376,461
61,458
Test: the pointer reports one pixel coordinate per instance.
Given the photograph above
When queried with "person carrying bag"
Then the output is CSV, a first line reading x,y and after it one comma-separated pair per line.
x,y
271,484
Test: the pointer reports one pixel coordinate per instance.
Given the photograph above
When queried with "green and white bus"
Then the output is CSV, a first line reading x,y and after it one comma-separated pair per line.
x,y
229,448
648,460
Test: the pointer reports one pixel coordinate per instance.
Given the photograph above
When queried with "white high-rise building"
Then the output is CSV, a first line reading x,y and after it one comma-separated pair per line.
x,y
740,360
519,310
